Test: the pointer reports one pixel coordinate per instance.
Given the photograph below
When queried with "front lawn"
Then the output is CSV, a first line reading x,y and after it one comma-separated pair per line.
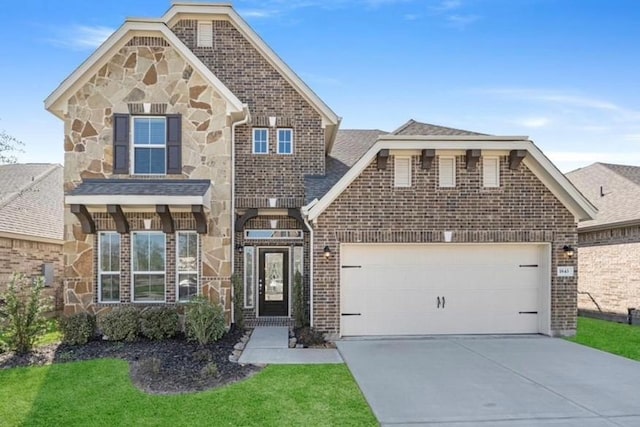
x,y
100,393
616,338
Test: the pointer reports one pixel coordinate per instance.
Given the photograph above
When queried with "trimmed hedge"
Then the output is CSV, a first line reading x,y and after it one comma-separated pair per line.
x,y
78,328
120,324
159,323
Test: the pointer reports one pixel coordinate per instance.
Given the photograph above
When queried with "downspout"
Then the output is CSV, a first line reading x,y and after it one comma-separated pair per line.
x,y
245,120
305,215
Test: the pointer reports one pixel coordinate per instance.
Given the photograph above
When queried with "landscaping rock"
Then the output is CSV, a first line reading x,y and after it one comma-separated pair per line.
x,y
239,346
292,342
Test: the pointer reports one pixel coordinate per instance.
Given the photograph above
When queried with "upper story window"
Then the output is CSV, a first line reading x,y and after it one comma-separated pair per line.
x,y
285,141
149,147
447,171
402,171
491,171
205,34
108,267
260,141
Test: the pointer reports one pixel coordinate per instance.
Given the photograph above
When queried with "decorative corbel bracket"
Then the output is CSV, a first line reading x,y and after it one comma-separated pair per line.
x,y
427,158
86,221
472,159
201,219
164,213
515,158
383,157
241,221
122,225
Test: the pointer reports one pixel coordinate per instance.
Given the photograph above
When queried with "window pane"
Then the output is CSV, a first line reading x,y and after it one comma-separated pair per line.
x,y
105,252
140,252
148,287
157,161
110,288
249,271
142,162
298,259
187,252
260,141
157,131
156,252
115,252
187,286
140,131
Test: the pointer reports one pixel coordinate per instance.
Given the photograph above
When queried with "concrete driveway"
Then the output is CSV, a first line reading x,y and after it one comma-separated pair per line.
x,y
494,381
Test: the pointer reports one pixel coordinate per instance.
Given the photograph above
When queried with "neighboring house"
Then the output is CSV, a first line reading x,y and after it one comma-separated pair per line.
x,y
193,152
31,212
609,245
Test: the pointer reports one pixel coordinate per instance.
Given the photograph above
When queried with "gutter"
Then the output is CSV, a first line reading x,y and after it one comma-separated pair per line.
x,y
245,120
618,224
305,215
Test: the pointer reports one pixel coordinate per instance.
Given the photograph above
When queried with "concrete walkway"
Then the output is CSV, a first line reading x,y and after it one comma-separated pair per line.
x,y
270,345
494,381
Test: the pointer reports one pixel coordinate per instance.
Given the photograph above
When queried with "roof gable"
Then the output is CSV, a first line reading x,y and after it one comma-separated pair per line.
x,y
56,102
413,127
31,201
613,189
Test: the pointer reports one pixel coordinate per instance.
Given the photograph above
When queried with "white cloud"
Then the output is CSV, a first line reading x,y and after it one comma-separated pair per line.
x,y
447,5
461,21
411,17
81,37
258,13
533,122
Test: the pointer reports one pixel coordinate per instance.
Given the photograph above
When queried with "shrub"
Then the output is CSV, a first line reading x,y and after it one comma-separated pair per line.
x,y
121,324
238,312
78,328
310,336
23,313
158,323
298,300
204,322
210,370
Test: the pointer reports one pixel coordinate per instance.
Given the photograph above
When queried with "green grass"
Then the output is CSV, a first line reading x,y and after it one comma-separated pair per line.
x,y
616,338
100,393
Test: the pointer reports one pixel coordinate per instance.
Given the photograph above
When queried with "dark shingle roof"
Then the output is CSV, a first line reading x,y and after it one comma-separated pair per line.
x,y
31,200
142,187
413,127
613,189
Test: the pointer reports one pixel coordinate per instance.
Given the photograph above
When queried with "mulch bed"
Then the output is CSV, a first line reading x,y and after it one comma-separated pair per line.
x,y
160,367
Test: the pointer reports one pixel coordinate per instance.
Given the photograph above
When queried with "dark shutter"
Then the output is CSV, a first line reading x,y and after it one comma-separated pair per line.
x,y
174,144
121,143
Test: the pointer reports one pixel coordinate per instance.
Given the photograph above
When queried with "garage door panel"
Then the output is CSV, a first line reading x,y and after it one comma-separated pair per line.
x,y
484,288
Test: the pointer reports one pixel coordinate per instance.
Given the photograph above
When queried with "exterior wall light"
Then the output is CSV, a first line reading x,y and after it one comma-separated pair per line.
x,y
569,252
327,252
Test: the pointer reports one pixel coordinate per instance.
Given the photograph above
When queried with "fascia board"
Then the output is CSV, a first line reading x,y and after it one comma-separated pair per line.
x,y
542,167
115,42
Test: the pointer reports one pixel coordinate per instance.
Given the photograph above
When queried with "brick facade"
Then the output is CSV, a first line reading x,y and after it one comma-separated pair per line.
x,y
257,83
27,257
371,210
609,263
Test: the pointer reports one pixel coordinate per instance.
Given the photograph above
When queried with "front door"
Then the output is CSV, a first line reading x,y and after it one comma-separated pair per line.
x,y
273,282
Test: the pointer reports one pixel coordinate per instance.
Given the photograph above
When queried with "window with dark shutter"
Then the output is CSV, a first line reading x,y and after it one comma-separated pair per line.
x,y
121,143
174,144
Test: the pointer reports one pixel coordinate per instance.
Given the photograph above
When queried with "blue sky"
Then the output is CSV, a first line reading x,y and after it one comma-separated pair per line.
x,y
564,72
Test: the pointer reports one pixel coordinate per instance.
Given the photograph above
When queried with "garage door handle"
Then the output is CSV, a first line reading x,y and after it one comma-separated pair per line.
x,y
350,314
527,312
443,301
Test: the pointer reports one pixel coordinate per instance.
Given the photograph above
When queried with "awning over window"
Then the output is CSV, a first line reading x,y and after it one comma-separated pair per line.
x,y
114,195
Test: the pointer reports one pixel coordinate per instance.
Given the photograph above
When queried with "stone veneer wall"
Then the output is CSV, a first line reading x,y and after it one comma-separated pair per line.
x,y
27,257
147,69
609,265
372,210
254,81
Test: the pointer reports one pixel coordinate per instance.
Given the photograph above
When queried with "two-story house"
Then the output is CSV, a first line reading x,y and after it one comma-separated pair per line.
x,y
192,152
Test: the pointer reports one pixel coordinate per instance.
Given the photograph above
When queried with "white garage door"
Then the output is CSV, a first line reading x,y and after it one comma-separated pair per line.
x,y
443,289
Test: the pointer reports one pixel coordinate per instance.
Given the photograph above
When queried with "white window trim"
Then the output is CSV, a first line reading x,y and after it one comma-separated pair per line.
x,y
101,271
133,273
497,171
249,285
290,130
196,271
204,26
395,171
253,141
454,171
132,145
